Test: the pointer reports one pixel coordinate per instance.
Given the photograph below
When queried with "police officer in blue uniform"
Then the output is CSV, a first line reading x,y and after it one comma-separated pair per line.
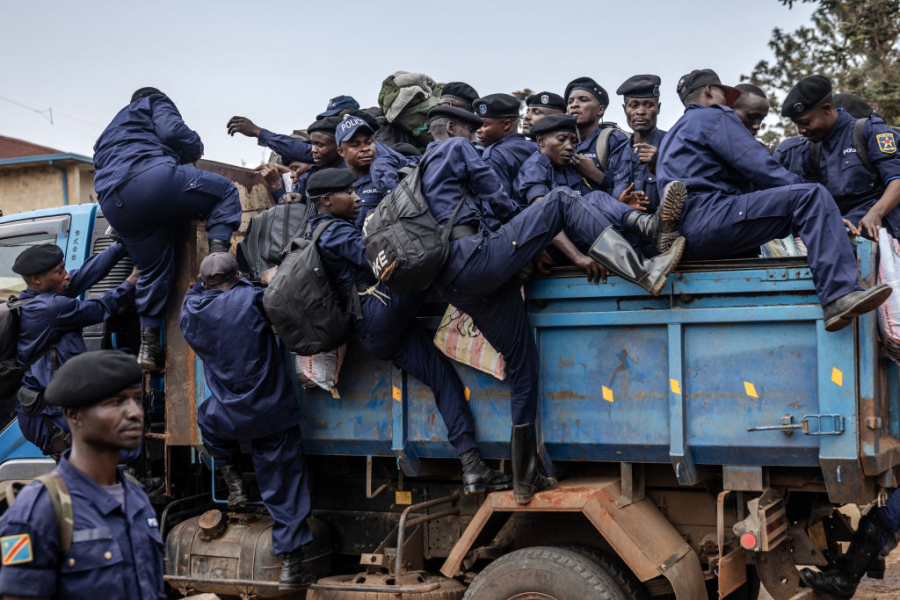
x,y
445,121
868,199
718,160
50,330
752,107
587,101
386,325
250,399
551,166
324,152
116,550
145,184
339,106
458,94
505,149
538,106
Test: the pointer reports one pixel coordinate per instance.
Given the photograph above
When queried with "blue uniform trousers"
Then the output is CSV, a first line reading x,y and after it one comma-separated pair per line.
x,y
717,225
282,477
145,209
487,289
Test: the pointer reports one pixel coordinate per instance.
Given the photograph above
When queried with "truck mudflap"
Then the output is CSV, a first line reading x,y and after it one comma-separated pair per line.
x,y
638,532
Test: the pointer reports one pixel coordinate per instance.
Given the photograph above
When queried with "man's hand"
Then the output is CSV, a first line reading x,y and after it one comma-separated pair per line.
x,y
586,168
870,223
135,273
595,271
292,198
636,200
647,154
543,262
271,174
267,275
242,125
851,227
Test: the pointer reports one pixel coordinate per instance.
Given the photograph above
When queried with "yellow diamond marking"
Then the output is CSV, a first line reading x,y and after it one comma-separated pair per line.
x,y
676,387
750,389
837,376
468,394
397,394
607,394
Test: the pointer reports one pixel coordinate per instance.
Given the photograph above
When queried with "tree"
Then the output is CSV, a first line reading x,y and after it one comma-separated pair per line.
x,y
856,43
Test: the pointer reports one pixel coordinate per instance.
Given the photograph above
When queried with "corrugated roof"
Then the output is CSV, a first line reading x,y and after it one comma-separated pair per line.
x,y
15,148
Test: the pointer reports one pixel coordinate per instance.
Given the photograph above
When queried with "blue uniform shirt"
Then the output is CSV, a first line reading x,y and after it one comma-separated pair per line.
x,y
506,157
341,249
116,552
288,148
631,170
618,146
250,396
538,176
380,180
146,133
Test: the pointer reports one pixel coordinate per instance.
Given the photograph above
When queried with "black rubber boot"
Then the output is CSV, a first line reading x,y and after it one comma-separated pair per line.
x,y
237,492
150,356
660,228
841,312
478,477
527,479
219,246
615,253
293,574
863,551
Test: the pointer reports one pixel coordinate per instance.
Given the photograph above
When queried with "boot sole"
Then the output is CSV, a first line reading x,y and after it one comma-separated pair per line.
x,y
472,490
672,206
678,249
867,304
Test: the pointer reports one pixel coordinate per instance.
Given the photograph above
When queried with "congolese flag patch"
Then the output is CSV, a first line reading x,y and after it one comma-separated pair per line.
x,y
887,143
16,549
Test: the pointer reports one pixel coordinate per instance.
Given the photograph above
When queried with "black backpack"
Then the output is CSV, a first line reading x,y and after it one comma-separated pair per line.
x,y
269,236
10,371
302,304
405,245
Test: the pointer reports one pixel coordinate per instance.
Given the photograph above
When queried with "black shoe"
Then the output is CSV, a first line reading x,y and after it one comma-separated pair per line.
x,y
237,492
219,246
841,312
615,253
478,477
660,228
527,480
150,356
293,574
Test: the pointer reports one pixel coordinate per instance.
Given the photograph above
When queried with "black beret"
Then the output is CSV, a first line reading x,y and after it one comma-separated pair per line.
x,y
699,78
548,99
406,149
327,125
588,84
38,259
218,267
497,106
91,377
460,90
455,113
806,95
856,106
144,92
552,123
640,86
327,181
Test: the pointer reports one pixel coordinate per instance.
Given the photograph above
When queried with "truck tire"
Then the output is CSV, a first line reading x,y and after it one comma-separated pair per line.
x,y
631,586
548,573
448,589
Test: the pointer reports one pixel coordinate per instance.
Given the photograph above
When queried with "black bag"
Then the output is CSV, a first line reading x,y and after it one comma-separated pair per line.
x,y
405,245
10,371
269,236
302,304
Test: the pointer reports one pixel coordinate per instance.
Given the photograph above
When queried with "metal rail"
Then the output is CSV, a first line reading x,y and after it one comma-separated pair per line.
x,y
402,525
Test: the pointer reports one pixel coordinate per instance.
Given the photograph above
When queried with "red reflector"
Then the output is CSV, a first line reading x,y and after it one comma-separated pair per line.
x,y
748,541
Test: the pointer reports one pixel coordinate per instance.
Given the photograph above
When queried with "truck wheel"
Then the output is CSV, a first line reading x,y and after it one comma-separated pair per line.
x,y
631,586
544,573
448,589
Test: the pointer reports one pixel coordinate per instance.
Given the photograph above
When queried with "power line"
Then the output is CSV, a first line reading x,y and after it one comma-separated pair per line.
x,y
31,108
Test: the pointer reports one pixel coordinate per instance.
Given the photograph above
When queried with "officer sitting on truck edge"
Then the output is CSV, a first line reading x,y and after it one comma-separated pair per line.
x,y
146,186
711,151
505,149
538,106
752,107
50,330
108,545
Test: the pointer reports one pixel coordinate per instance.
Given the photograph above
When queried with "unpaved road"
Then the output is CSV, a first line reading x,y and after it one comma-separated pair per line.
x,y
874,589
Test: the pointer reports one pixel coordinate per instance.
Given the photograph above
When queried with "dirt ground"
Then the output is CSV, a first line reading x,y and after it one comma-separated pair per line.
x,y
874,589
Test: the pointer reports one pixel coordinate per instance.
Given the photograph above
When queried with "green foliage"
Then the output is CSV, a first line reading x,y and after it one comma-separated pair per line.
x,y
854,42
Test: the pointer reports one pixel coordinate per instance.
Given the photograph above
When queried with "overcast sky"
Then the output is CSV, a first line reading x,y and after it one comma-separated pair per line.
x,y
279,62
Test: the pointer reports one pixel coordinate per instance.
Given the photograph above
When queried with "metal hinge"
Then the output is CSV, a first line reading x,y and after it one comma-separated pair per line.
x,y
824,425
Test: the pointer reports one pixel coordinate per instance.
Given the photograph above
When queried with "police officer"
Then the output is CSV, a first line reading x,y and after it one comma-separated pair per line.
x,y
324,151
868,199
505,149
752,107
721,163
587,101
116,550
445,121
540,105
250,399
339,106
51,320
144,185
458,94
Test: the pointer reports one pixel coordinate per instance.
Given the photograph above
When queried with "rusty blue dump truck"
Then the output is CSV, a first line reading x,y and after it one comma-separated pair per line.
x,y
703,440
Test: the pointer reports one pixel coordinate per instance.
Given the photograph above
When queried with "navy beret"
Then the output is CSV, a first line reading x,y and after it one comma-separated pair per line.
x,y
552,123
699,78
460,90
455,113
327,181
806,95
218,267
589,85
91,377
144,92
856,106
38,259
548,99
327,125
497,106
640,86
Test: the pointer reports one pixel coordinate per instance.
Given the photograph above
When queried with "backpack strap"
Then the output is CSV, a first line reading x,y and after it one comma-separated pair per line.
x,y
15,304
285,226
62,508
862,149
813,164
602,145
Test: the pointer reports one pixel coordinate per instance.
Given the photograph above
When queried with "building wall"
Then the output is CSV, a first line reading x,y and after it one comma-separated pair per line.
x,y
33,187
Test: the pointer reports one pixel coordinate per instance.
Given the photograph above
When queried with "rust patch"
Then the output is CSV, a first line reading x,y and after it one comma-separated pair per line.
x,y
567,395
623,365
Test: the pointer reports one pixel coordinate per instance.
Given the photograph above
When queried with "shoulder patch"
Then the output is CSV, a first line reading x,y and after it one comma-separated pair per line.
x,y
16,549
886,142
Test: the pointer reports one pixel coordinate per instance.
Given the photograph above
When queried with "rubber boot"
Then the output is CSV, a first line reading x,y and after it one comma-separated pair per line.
x,y
237,492
293,574
478,477
841,312
863,551
527,479
660,228
150,356
219,246
615,253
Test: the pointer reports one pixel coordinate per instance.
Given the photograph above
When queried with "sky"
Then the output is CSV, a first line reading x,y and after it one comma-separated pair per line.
x,y
278,62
